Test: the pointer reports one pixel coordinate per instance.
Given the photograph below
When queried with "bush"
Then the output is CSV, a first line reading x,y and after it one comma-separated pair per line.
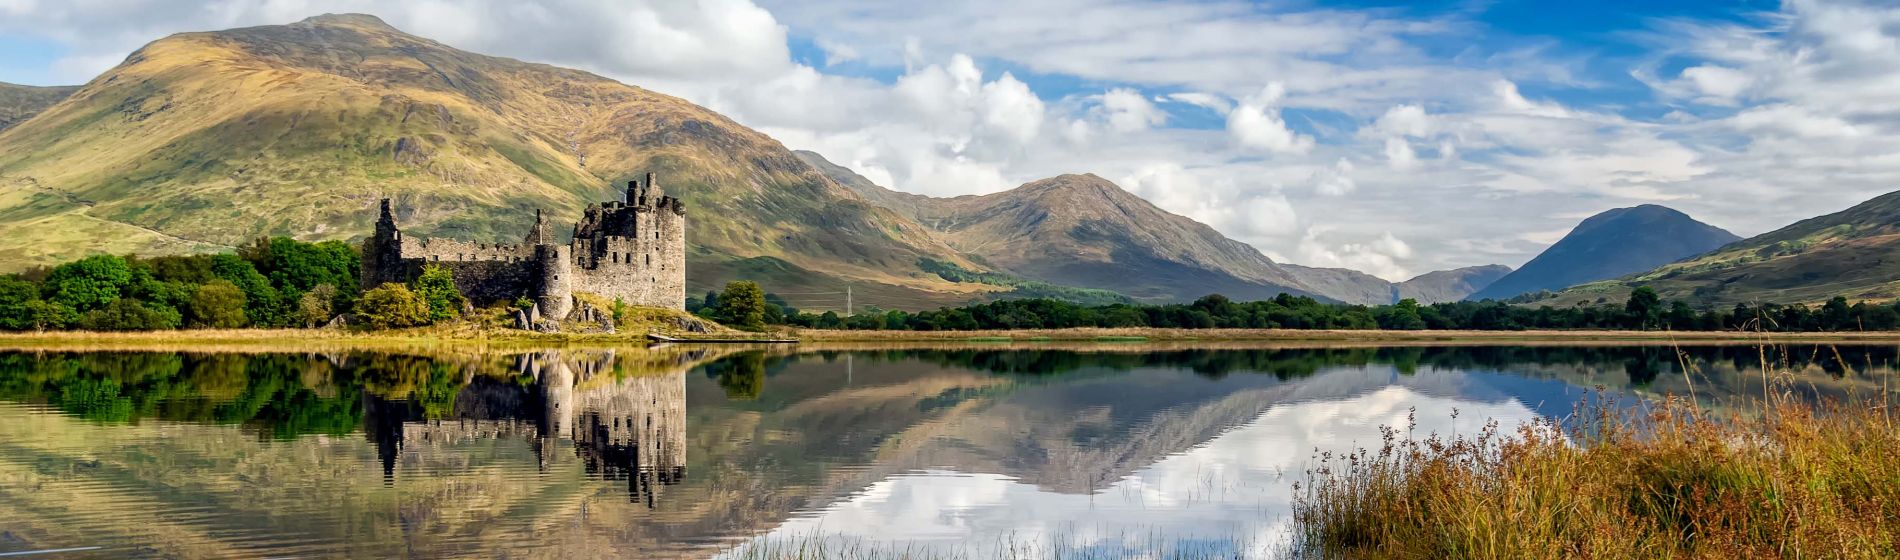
x,y
217,305
437,289
392,306
317,306
127,314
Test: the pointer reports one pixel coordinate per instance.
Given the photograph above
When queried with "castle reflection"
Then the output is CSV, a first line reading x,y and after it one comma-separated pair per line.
x,y
619,427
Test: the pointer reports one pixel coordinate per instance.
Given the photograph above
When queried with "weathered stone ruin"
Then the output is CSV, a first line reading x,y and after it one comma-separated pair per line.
x,y
632,250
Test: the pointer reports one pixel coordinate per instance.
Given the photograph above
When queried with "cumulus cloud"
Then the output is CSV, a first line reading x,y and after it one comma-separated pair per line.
x,y
1127,111
1382,256
1256,124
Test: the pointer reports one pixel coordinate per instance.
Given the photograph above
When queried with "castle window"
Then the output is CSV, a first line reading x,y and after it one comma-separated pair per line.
x,y
649,259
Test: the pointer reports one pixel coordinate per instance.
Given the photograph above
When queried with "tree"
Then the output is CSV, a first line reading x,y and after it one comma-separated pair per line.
x,y
90,283
391,306
1644,308
742,305
217,305
317,306
42,315
262,302
127,314
1402,316
15,294
437,289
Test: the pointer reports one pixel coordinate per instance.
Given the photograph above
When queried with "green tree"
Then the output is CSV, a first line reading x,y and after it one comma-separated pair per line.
x,y
42,315
217,305
15,293
436,287
127,314
742,305
90,283
317,306
1403,316
263,304
1644,308
391,306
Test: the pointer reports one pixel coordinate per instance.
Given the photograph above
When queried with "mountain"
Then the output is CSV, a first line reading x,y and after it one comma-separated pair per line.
x,y
1450,285
1851,253
205,140
19,103
1608,245
1083,230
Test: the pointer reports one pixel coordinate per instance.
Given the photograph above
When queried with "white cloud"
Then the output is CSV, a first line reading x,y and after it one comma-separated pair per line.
x,y
1335,180
1127,111
1381,256
1256,124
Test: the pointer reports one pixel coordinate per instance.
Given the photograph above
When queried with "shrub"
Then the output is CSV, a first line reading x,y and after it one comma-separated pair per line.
x,y
391,306
217,305
437,289
317,306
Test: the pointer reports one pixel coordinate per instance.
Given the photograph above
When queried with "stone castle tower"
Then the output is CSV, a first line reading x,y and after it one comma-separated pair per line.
x,y
632,250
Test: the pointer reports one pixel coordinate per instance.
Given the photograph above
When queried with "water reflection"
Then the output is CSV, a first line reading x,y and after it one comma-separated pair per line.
x,y
587,453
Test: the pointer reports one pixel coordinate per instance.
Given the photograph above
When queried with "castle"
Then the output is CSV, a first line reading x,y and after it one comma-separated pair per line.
x,y
634,251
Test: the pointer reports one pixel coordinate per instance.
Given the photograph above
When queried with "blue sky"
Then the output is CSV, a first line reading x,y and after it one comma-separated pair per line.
x,y
1390,137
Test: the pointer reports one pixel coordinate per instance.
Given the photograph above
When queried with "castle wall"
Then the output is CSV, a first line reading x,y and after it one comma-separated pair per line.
x,y
647,267
635,253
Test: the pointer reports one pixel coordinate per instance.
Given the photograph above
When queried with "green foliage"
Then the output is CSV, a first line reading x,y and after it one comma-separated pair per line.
x,y
392,306
43,315
620,311
436,288
217,305
317,306
90,283
1644,307
15,295
127,314
263,303
296,266
742,305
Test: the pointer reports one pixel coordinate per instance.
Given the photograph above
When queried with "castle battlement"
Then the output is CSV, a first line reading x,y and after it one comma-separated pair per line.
x,y
633,250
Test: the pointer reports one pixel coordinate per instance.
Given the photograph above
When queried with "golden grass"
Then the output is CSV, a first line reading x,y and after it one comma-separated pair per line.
x,y
1152,334
1785,480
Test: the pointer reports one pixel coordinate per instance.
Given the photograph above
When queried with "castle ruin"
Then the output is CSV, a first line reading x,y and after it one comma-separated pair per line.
x,y
632,250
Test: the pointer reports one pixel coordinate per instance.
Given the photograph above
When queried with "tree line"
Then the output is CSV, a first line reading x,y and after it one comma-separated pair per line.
x,y
1644,310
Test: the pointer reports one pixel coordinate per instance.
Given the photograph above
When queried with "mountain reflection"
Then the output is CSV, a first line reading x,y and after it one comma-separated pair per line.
x,y
586,453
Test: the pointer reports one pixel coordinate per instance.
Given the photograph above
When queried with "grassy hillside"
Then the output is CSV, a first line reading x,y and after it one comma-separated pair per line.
x,y
203,140
1854,253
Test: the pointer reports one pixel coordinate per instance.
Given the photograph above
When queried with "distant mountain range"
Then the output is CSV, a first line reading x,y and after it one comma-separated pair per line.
x,y
1083,230
1609,245
1854,253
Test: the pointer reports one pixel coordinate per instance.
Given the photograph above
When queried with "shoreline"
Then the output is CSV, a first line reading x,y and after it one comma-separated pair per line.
x,y
489,339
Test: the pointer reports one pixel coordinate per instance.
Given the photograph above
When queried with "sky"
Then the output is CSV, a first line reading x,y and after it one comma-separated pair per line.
x,y
1391,137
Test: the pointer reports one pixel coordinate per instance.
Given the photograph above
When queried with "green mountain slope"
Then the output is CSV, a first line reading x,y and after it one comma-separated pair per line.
x,y
1609,245
203,140
1854,253
19,103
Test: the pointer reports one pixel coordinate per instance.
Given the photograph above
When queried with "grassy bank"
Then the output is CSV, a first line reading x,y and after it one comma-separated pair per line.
x,y
1784,480
1295,335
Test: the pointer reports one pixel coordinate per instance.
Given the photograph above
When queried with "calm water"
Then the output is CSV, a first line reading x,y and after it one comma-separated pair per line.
x,y
685,452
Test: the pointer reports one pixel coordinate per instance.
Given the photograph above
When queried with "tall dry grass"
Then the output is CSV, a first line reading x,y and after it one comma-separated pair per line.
x,y
1780,478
